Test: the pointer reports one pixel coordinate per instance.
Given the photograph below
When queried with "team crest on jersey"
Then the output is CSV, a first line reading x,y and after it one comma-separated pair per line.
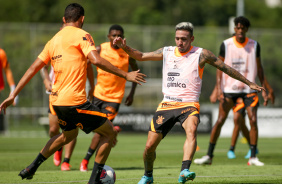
x,y
160,120
62,122
111,109
79,125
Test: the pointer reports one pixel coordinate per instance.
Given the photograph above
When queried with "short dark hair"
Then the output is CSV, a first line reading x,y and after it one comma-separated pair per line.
x,y
242,20
73,12
188,26
116,27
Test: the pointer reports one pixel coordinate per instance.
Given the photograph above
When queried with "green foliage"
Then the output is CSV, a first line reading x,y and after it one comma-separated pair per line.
x,y
157,12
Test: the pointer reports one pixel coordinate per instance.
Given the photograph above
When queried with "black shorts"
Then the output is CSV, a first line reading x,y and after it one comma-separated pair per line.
x,y
243,100
168,114
86,116
109,108
239,107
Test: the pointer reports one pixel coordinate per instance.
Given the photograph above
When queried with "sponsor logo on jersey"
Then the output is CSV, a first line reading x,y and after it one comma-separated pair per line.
x,y
89,38
176,85
173,74
173,98
56,57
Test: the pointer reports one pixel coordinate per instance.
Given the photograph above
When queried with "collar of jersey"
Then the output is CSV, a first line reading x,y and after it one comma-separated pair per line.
x,y
238,44
179,54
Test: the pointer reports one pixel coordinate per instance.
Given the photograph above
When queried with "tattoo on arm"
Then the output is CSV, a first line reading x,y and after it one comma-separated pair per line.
x,y
159,51
130,50
210,58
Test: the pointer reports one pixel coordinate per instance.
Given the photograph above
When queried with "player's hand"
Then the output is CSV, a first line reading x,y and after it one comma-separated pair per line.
x,y
48,85
265,98
220,95
16,101
256,87
271,96
129,100
136,76
6,103
213,97
120,42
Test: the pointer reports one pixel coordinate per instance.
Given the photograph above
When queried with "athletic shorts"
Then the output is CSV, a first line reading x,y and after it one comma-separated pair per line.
x,y
109,108
243,100
86,116
168,113
239,107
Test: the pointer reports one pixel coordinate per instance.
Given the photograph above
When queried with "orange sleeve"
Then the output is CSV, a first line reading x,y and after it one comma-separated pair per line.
x,y
3,58
44,55
87,44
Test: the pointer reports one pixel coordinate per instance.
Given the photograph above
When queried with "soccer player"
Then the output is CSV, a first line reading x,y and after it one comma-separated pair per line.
x,y
68,52
4,65
183,67
239,119
54,128
109,89
243,54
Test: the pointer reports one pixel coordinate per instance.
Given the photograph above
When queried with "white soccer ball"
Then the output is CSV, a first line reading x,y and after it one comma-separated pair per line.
x,y
108,175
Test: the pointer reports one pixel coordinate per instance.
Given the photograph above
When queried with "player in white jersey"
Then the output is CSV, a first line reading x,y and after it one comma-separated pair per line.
x,y
239,113
183,66
243,54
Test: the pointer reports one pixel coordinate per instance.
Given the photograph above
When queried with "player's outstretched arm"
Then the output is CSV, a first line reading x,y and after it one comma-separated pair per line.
x,y
97,60
32,70
136,54
208,57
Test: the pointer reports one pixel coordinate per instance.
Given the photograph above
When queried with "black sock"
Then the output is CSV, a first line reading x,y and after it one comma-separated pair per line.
x,y
89,154
148,173
185,164
210,150
232,148
36,163
67,160
253,150
96,173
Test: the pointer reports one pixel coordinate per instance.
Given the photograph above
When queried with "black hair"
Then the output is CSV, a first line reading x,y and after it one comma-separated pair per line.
x,y
116,27
242,20
73,12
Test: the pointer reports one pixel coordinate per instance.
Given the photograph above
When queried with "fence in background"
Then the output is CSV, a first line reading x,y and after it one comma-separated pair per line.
x,y
24,41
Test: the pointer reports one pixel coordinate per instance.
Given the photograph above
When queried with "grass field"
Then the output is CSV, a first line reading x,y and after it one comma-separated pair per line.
x,y
126,159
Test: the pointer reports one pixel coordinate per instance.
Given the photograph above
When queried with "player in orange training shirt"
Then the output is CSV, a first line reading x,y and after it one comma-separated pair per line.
x,y
109,90
68,51
4,65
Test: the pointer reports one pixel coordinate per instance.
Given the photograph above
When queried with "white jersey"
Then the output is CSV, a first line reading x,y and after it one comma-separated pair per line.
x,y
182,76
241,57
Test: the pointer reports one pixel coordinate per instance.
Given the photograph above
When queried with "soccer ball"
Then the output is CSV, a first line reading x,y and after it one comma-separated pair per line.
x,y
108,175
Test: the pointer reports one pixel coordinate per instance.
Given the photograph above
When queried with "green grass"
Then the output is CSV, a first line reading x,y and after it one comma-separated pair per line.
x,y
126,159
